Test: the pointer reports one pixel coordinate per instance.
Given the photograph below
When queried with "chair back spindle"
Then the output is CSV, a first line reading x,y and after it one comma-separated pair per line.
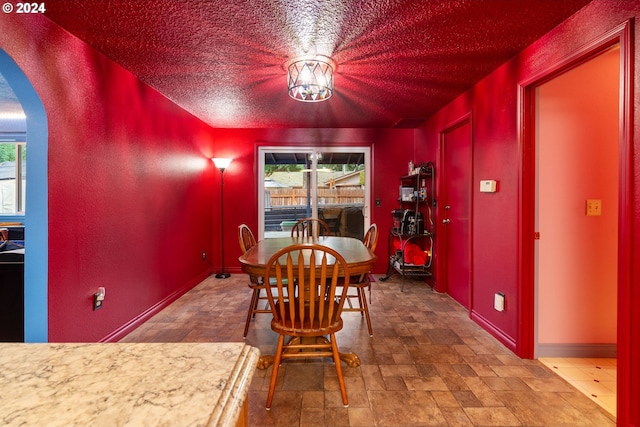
x,y
245,238
310,227
370,239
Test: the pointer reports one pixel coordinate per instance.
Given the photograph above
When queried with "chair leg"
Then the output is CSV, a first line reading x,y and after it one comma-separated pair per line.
x,y
274,373
254,300
336,360
361,304
365,309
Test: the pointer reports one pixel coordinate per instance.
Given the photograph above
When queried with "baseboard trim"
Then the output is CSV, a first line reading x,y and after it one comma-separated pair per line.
x,y
577,350
125,329
498,334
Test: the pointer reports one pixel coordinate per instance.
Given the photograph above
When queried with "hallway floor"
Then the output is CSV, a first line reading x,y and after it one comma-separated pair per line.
x,y
427,364
596,378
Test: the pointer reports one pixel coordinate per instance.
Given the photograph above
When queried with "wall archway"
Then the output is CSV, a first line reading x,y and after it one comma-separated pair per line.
x,y
36,213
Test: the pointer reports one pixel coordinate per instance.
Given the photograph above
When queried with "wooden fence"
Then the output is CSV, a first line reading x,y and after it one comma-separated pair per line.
x,y
326,196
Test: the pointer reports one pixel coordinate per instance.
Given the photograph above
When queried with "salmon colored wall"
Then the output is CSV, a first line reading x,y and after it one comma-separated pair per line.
x,y
130,184
391,151
577,139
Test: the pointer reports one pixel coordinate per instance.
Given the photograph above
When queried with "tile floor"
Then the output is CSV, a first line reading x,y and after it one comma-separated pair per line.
x,y
596,378
427,364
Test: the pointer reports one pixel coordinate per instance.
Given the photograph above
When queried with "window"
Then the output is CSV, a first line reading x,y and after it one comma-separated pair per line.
x,y
13,176
330,183
13,151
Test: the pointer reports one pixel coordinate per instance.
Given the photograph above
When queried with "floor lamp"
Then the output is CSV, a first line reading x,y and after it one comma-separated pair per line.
x,y
222,163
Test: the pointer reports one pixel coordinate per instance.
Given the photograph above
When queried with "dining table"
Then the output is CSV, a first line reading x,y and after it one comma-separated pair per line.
x,y
358,257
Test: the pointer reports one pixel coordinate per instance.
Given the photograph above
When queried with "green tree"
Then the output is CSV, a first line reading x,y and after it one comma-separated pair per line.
x,y
7,152
270,169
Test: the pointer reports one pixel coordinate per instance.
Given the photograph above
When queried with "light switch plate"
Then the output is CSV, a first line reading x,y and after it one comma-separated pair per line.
x,y
594,207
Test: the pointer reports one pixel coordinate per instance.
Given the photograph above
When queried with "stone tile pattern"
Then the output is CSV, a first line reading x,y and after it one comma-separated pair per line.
x,y
427,364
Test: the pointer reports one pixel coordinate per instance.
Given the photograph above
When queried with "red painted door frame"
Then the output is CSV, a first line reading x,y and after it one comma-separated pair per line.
x,y
525,340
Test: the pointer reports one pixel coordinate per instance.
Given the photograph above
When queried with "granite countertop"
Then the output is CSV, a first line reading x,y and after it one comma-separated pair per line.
x,y
120,384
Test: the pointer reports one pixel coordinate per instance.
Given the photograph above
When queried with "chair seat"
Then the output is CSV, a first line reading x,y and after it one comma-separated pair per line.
x,y
298,328
259,284
357,280
361,281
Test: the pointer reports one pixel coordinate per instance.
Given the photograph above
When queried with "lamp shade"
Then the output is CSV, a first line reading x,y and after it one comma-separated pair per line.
x,y
221,162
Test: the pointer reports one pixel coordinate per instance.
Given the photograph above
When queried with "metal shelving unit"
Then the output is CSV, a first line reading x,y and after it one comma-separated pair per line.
x,y
417,191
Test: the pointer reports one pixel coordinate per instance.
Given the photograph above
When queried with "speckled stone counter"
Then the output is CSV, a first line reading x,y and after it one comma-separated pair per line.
x,y
124,384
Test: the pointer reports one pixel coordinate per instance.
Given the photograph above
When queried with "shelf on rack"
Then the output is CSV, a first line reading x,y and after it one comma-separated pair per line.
x,y
409,269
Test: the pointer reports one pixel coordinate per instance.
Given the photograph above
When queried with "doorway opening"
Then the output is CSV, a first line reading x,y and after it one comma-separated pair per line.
x,y
330,183
577,221
531,300
35,217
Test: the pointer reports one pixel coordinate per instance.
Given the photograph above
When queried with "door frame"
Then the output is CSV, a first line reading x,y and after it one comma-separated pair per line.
x,y
525,343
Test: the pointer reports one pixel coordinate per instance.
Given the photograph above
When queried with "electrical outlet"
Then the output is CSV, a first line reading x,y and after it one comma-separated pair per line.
x,y
204,255
498,301
97,302
98,298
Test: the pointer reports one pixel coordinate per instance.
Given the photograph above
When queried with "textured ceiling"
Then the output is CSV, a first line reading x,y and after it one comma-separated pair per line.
x,y
398,62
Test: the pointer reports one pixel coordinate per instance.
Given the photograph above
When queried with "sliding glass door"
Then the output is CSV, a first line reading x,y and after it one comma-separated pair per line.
x,y
314,182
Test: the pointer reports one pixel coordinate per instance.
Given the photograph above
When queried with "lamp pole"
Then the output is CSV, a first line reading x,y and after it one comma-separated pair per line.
x,y
222,164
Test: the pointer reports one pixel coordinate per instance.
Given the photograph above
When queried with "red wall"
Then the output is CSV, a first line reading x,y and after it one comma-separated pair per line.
x,y
130,184
132,193
493,103
391,150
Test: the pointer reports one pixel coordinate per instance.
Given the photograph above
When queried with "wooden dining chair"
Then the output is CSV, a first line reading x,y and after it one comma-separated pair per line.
x,y
310,227
360,283
370,238
316,310
256,284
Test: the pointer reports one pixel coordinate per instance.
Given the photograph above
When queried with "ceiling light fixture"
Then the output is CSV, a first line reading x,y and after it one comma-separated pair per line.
x,y
310,79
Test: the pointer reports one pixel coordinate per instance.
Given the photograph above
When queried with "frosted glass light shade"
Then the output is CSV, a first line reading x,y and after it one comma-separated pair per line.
x,y
221,162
